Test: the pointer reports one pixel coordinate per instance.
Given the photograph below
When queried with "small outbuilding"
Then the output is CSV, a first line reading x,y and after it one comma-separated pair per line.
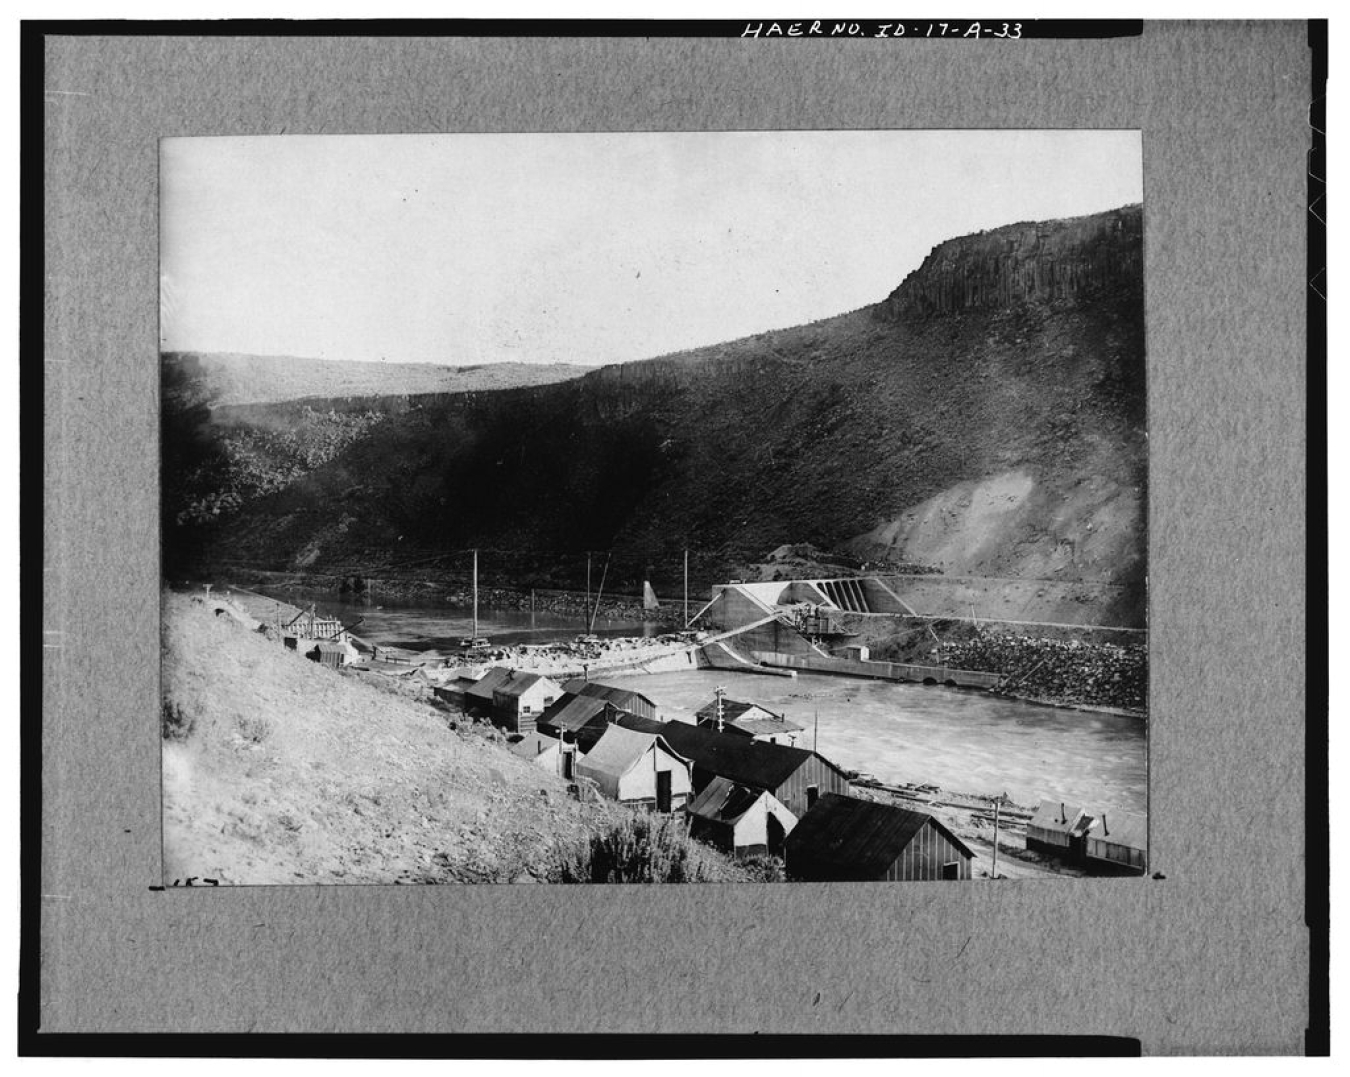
x,y
1058,829
544,752
844,839
637,769
623,698
739,820
747,719
478,697
1118,841
520,699
333,655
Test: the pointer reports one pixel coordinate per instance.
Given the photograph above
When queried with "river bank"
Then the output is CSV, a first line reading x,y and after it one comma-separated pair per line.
x,y
454,593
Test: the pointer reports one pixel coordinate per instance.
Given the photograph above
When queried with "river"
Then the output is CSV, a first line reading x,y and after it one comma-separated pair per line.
x,y
964,741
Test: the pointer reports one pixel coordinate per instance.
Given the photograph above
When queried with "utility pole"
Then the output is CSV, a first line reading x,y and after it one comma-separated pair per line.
x,y
815,733
686,587
588,586
475,593
594,613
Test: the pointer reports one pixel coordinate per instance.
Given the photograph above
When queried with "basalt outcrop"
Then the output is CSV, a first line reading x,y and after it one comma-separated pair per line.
x,y
1040,262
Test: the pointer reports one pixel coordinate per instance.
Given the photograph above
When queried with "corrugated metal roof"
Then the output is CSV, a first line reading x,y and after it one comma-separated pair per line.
x,y
847,838
757,764
620,697
570,713
488,683
636,721
1121,828
724,801
1052,815
519,683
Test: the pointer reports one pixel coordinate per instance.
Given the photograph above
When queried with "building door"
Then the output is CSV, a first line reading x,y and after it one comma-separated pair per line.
x,y
952,870
663,790
812,795
567,758
776,834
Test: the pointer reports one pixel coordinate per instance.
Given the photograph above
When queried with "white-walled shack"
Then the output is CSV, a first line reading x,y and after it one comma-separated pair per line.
x,y
740,820
637,768
845,839
544,752
519,699
1059,829
1120,840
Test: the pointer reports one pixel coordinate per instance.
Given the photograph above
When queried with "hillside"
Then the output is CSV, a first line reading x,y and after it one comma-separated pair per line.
x,y
224,378
986,418
277,770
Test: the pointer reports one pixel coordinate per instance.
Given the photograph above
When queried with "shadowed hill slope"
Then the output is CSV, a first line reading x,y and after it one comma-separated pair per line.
x,y
986,418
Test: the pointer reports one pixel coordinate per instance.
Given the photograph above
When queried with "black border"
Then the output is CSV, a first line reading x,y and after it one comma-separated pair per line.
x,y
32,461
1317,832
868,29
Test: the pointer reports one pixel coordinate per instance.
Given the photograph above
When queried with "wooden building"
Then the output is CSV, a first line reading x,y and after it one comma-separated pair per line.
x,y
333,655
747,719
844,839
637,769
1118,841
519,699
795,776
739,820
1059,829
478,697
569,714
623,698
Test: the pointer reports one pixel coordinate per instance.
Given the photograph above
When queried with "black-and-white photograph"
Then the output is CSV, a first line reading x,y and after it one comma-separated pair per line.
x,y
653,507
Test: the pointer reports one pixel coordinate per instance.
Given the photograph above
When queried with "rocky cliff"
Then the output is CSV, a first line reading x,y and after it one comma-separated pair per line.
x,y
1024,263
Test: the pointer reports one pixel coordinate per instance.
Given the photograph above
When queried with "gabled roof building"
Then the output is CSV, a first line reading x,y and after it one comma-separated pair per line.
x,y
740,820
795,776
1118,840
1059,829
845,839
638,769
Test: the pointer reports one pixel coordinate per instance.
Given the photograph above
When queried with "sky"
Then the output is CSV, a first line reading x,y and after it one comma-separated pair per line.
x,y
582,248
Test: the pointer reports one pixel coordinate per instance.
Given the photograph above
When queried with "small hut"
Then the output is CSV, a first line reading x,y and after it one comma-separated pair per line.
x,y
740,820
1058,829
1118,841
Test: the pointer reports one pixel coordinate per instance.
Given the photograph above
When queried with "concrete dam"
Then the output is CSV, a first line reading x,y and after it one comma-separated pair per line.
x,y
783,627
